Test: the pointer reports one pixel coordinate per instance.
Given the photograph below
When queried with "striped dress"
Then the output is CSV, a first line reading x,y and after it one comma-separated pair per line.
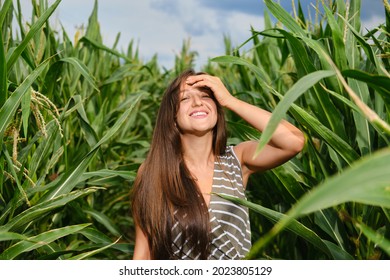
x,y
229,222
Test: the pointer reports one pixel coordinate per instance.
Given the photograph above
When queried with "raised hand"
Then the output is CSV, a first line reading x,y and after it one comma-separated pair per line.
x,y
215,84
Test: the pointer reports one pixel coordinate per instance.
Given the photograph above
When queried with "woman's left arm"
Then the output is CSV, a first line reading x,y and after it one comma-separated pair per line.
x,y
286,141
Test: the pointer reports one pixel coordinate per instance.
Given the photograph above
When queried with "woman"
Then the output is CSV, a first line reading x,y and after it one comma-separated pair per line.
x,y
175,209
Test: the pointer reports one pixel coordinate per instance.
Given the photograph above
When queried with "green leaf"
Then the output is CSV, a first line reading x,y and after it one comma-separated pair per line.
x,y
299,88
73,176
274,216
9,108
332,139
39,210
3,72
104,220
3,13
14,173
7,236
93,252
95,236
337,35
36,27
107,173
367,181
337,252
330,223
285,18
44,148
82,69
376,237
40,240
378,82
100,46
261,77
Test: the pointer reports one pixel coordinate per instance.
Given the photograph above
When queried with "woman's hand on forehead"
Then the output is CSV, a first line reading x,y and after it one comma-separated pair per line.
x,y
215,84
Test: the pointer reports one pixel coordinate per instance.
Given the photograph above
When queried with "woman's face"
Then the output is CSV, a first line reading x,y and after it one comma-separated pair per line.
x,y
197,112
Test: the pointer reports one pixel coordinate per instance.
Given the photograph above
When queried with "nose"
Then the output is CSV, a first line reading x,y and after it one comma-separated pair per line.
x,y
196,101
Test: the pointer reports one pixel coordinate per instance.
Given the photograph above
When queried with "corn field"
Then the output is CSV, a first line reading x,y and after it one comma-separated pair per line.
x,y
76,119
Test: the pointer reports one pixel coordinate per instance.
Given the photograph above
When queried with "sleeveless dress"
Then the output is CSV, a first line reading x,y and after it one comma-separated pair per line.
x,y
229,222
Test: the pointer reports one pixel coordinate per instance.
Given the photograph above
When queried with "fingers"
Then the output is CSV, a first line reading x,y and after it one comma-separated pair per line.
x,y
215,84
203,81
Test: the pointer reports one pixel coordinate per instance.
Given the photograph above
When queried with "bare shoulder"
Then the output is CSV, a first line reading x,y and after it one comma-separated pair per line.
x,y
241,150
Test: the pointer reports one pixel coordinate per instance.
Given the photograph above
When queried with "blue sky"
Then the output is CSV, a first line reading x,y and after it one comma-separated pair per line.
x,y
160,26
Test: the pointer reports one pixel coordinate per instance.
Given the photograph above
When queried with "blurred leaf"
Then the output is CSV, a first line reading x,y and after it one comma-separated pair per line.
x,y
3,13
6,236
337,252
379,239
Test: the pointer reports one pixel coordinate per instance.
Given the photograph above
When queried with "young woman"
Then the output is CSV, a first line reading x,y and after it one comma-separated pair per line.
x,y
175,209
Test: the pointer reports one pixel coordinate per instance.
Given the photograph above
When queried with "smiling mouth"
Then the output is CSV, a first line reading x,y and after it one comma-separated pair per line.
x,y
198,114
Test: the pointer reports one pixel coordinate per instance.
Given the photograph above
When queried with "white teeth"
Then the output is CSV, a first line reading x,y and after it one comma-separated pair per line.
x,y
198,114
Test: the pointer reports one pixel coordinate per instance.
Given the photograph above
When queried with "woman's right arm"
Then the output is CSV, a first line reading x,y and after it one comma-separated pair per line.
x,y
141,249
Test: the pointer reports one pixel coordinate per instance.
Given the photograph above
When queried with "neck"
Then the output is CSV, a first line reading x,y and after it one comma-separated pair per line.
x,y
198,151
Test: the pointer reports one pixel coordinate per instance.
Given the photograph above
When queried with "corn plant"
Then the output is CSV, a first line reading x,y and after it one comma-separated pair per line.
x,y
70,136
76,119
330,79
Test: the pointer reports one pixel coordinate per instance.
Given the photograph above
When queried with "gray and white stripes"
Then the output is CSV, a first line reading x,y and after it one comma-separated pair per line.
x,y
229,222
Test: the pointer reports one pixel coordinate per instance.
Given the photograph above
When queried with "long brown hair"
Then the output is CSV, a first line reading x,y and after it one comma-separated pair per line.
x,y
164,191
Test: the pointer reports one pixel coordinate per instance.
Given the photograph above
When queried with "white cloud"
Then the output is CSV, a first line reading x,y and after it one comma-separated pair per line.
x,y
372,22
161,26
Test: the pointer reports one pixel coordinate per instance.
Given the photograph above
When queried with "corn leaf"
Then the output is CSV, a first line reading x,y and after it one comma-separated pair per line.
x,y
3,72
3,12
293,94
73,176
7,236
376,237
103,220
378,82
366,181
93,252
39,240
36,27
284,17
274,216
332,139
39,210
82,69
9,108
